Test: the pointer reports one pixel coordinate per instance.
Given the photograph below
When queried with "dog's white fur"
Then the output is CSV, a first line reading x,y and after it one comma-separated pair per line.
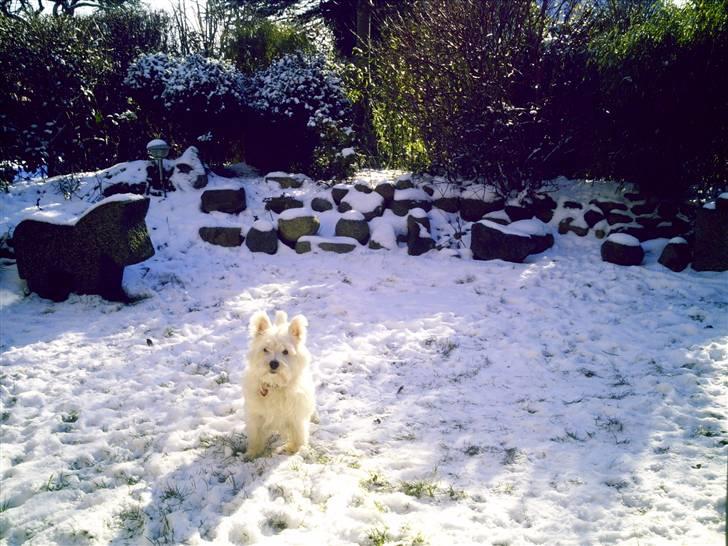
x,y
278,398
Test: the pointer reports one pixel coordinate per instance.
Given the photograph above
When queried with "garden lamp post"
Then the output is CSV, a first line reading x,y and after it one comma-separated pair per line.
x,y
158,150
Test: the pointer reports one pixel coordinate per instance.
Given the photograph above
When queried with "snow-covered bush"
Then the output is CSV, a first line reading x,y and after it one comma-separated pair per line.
x,y
302,117
191,101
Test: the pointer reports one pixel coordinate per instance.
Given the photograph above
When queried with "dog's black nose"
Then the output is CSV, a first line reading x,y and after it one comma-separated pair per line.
x,y
273,364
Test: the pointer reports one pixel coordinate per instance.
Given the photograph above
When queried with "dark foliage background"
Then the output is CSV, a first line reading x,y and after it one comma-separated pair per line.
x,y
510,92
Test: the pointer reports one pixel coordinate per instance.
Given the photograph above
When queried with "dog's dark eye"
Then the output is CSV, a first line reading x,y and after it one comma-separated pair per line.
x,y
285,351
265,350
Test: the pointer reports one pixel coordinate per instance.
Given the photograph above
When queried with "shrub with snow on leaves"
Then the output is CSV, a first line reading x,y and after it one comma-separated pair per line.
x,y
299,104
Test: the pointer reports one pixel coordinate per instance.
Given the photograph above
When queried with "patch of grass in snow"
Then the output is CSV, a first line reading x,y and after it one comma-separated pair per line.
x,y
5,505
511,456
504,488
222,378
419,488
70,417
573,436
277,523
378,537
456,494
4,416
130,521
230,445
376,482
706,432
56,483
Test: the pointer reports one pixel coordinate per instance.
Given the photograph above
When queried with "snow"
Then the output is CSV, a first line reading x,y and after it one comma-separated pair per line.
x,y
624,239
418,213
263,225
383,232
346,152
157,142
411,194
352,215
290,214
532,226
508,230
316,240
460,402
363,202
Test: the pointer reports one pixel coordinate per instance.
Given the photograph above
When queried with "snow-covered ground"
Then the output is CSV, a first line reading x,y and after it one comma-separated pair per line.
x,y
560,401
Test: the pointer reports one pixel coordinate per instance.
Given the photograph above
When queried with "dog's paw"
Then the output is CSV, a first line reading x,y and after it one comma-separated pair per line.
x,y
289,449
249,456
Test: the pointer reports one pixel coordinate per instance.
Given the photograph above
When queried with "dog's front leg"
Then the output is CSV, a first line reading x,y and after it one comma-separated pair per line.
x,y
256,436
297,436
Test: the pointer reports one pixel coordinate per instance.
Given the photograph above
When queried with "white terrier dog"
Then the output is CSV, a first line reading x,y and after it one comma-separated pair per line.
x,y
277,384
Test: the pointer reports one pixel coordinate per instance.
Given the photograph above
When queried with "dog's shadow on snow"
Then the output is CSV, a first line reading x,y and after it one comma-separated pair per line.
x,y
190,502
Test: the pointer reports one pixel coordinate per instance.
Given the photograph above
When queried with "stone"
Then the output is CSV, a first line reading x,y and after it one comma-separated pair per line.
x,y
227,201
593,217
567,225
516,213
404,184
369,204
489,241
221,236
608,206
282,203
419,240
622,249
88,256
386,190
339,245
401,207
363,188
676,255
638,232
617,218
319,204
643,208
123,187
472,210
354,226
543,206
710,252
189,171
338,192
285,180
261,237
448,204
292,227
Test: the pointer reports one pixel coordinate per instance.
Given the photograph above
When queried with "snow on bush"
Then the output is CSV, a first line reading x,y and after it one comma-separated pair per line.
x,y
303,95
194,99
300,86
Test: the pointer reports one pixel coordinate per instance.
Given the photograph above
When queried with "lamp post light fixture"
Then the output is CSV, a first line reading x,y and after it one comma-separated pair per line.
x,y
158,150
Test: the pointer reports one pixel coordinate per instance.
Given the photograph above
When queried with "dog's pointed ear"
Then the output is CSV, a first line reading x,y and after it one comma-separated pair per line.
x,y
298,328
281,318
259,323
